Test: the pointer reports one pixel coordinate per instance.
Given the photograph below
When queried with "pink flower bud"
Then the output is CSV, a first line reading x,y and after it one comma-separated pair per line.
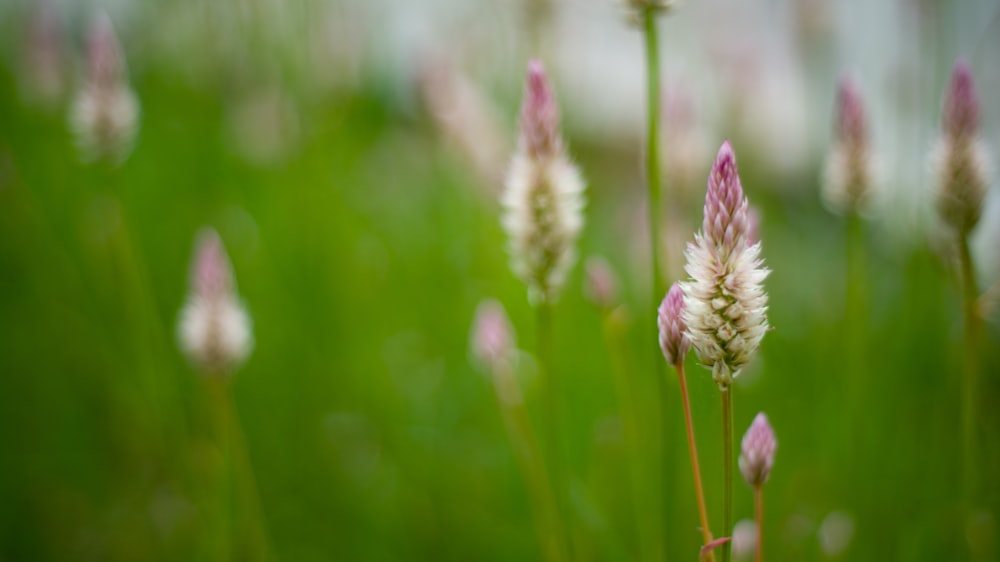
x,y
673,339
757,456
848,175
492,335
539,115
960,115
105,63
851,124
601,285
725,221
211,274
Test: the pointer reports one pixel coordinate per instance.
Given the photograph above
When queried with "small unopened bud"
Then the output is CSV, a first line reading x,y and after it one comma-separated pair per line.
x,y
492,335
961,159
539,115
601,284
673,338
214,327
757,455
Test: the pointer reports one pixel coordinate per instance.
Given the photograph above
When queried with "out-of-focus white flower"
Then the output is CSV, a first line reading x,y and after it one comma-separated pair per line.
x,y
744,539
725,303
543,201
105,114
757,452
848,180
835,533
960,159
214,330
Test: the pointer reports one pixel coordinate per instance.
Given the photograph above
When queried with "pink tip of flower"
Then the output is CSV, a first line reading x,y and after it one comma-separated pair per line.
x,y
212,275
601,286
492,335
104,58
757,456
539,114
850,123
725,220
673,339
960,116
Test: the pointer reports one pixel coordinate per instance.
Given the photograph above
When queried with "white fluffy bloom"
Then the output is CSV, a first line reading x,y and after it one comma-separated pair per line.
x,y
725,306
214,330
543,201
104,116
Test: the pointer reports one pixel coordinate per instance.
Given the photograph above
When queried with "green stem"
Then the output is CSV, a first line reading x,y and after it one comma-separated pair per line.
x,y
551,417
727,456
970,379
653,186
758,511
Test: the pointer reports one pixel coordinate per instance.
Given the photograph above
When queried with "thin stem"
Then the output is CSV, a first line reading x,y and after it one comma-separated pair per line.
x,y
529,457
249,486
653,186
758,512
727,456
706,532
551,416
970,296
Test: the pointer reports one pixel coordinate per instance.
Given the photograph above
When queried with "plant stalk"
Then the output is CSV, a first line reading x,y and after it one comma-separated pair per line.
x,y
727,456
706,531
551,420
970,380
758,511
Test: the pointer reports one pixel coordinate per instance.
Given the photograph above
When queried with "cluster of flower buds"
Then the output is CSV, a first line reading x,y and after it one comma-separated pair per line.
x,y
670,321
961,159
105,115
757,454
725,304
848,182
214,328
543,200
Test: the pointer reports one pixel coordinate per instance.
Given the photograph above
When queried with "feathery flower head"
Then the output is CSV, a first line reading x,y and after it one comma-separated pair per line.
x,y
492,335
725,303
214,328
543,199
601,284
105,114
673,339
961,159
848,178
757,454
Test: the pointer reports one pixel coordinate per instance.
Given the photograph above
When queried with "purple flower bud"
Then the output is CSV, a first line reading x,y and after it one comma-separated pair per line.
x,y
492,335
960,115
539,115
601,285
848,174
851,123
673,338
105,63
757,456
211,274
725,221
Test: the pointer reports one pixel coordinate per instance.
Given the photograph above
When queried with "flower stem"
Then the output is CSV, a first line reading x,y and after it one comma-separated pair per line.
x,y
758,511
706,531
727,456
970,380
551,418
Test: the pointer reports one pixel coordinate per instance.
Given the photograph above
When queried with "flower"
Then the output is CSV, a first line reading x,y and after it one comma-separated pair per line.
x,y
757,455
673,340
214,330
848,181
105,114
960,159
725,304
601,285
543,200
492,335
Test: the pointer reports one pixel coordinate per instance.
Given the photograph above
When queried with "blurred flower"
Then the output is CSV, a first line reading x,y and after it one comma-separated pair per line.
x,y
214,328
725,303
264,125
685,148
601,284
465,115
44,62
105,114
960,159
492,335
637,7
835,533
744,539
543,200
757,454
673,340
848,180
